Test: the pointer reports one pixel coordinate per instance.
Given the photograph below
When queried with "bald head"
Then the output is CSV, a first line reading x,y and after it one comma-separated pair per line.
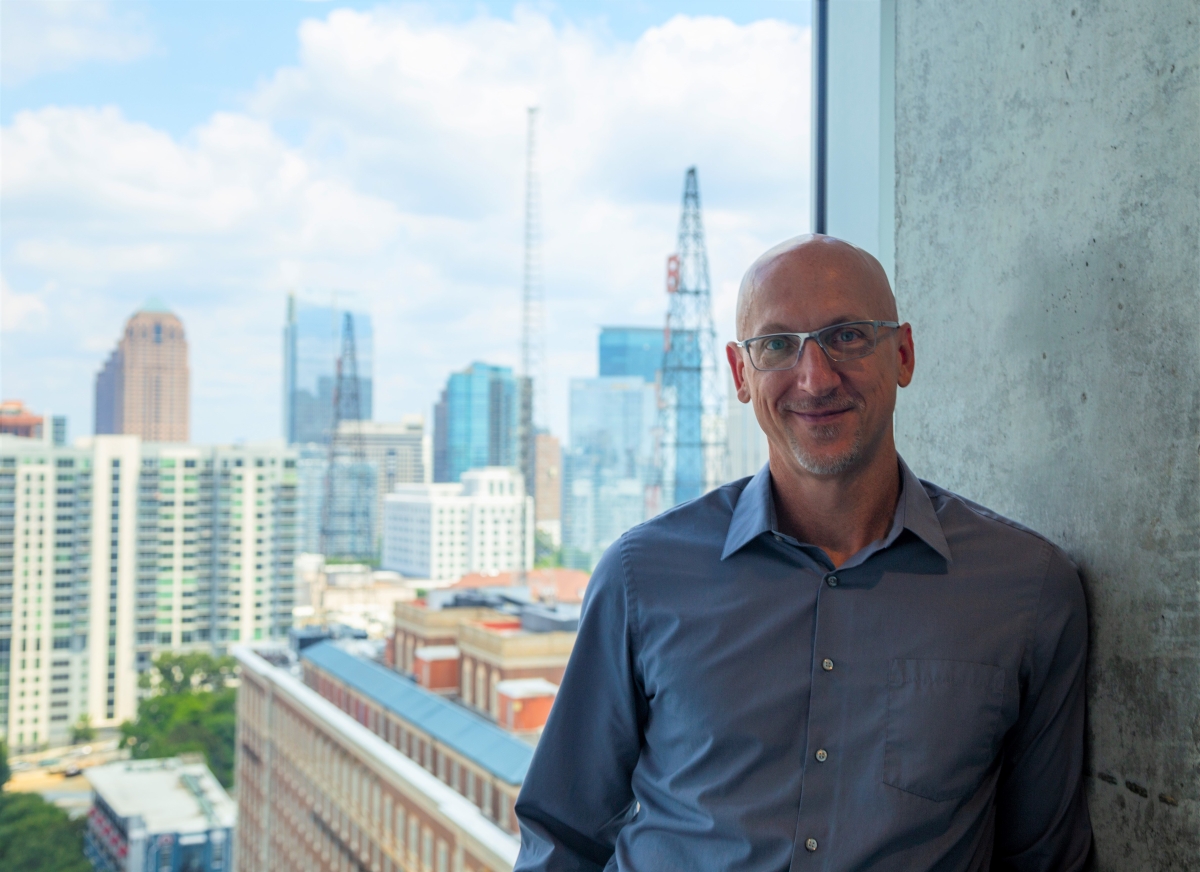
x,y
816,267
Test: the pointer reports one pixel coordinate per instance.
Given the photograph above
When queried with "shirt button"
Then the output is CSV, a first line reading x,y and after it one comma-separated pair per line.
x,y
832,580
811,844
827,665
821,755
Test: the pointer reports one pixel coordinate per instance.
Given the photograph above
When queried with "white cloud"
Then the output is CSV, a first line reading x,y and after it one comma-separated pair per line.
x,y
404,186
19,311
42,36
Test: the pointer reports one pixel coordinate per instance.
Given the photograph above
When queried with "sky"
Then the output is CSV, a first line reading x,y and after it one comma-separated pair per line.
x,y
220,155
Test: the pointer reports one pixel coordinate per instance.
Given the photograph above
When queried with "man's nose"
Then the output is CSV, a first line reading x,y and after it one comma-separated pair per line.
x,y
814,371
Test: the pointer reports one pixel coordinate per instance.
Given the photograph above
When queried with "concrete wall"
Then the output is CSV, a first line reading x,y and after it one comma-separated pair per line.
x,y
1048,255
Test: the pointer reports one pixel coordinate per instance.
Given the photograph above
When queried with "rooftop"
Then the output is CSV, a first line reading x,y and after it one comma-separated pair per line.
x,y
437,652
170,795
526,688
479,740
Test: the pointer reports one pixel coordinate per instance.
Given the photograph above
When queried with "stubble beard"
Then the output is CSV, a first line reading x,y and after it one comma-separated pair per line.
x,y
825,464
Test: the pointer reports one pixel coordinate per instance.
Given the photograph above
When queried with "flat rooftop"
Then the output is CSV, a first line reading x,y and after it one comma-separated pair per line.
x,y
476,739
170,795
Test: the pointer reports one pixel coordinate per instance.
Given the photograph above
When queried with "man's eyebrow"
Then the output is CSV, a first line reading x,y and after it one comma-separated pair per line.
x,y
776,327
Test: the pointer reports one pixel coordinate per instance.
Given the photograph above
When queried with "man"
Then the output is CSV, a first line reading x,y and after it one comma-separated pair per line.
x,y
832,665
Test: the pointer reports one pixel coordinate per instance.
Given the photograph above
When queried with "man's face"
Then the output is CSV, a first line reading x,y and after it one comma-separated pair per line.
x,y
828,418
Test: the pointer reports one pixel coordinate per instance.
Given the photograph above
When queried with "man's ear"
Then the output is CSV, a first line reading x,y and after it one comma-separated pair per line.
x,y
906,355
737,366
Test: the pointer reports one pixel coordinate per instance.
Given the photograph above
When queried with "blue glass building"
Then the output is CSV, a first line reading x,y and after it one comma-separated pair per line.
x,y
608,464
476,422
626,351
312,341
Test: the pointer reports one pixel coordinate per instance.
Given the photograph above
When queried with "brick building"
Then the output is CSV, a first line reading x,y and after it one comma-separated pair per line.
x,y
478,759
496,651
370,773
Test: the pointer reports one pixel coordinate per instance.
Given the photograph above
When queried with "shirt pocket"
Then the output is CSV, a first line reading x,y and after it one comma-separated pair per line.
x,y
943,726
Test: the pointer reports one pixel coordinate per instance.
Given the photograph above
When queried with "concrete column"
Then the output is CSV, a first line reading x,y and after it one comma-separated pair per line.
x,y
1048,255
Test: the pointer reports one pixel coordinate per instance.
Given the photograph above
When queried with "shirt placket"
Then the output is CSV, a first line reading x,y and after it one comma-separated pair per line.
x,y
823,759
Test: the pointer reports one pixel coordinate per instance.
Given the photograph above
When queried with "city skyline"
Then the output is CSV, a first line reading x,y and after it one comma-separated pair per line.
x,y
412,200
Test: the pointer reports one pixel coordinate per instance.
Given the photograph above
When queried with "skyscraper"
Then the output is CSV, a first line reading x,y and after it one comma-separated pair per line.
x,y
626,351
547,497
477,421
747,442
311,343
116,549
609,464
143,390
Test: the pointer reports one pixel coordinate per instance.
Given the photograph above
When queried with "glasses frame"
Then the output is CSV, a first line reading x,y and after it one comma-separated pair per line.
x,y
816,337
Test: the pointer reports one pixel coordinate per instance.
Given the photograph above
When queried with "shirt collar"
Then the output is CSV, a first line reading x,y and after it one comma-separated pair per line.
x,y
754,514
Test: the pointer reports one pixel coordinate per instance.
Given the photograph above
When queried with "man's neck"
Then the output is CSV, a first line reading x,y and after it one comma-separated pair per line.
x,y
840,514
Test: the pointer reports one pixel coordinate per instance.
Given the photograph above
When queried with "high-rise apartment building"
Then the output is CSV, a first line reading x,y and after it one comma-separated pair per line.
x,y
631,351
477,421
356,768
311,346
143,388
609,465
443,531
116,549
547,497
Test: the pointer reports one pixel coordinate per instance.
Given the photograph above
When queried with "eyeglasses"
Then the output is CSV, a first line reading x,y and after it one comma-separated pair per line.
x,y
840,342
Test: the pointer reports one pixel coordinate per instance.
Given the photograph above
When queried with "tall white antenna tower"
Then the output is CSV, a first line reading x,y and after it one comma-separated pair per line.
x,y
533,384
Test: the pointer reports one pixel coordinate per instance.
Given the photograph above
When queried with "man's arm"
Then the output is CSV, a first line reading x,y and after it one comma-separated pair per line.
x,y
1042,822
577,794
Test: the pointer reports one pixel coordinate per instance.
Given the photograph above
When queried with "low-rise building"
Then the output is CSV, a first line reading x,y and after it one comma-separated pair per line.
x,y
167,815
498,651
419,626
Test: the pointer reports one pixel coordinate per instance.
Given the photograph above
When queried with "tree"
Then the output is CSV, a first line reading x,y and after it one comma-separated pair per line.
x,y
192,707
545,554
5,772
177,673
83,731
36,836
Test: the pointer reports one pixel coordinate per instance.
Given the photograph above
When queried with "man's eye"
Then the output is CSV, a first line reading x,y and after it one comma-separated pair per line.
x,y
848,334
775,344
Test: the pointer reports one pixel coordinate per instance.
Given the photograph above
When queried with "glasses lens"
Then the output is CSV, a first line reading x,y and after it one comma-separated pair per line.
x,y
775,352
848,341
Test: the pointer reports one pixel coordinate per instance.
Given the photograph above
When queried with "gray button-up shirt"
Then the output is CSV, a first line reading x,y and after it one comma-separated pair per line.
x,y
734,702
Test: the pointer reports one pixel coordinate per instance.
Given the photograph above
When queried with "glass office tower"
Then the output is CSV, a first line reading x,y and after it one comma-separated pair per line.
x,y
608,465
477,421
312,341
628,351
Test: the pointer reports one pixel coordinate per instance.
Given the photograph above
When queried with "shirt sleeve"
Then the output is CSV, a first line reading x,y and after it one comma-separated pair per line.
x,y
577,793
1042,822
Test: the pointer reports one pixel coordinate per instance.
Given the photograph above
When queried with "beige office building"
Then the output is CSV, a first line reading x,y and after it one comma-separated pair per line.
x,y
143,388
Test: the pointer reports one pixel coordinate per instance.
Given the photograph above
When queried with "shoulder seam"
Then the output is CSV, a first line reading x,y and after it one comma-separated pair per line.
x,y
984,512
631,609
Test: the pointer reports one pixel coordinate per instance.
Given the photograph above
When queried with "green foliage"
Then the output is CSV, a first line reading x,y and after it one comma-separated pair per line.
x,y
545,555
37,836
192,708
5,772
83,731
179,673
